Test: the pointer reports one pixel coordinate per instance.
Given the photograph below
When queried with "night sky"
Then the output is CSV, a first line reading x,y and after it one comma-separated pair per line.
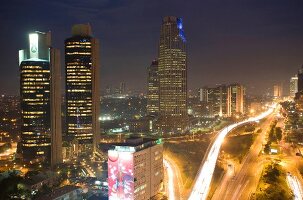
x,y
254,42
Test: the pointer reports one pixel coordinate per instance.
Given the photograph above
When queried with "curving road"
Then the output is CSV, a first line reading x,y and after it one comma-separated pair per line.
x,y
204,176
170,177
295,186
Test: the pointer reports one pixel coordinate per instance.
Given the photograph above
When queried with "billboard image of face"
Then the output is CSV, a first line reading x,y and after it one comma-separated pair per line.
x,y
120,175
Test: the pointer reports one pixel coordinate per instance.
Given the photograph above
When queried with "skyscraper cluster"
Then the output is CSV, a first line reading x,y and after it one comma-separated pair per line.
x,y
224,100
167,82
40,93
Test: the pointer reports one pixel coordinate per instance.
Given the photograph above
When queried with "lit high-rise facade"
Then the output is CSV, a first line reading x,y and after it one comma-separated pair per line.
x,y
153,89
278,90
293,88
216,98
82,87
172,69
41,138
235,99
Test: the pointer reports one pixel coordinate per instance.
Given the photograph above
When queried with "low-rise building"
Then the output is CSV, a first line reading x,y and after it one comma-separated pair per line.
x,y
36,182
68,192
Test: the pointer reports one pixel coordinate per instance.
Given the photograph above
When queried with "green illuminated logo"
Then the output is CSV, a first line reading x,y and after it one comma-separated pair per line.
x,y
34,49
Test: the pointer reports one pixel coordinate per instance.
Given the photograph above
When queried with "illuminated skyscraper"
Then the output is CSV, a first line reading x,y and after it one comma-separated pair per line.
x,y
41,138
153,89
172,69
235,99
82,87
293,89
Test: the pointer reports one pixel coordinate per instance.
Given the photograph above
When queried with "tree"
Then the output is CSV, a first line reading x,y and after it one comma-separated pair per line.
x,y
271,135
9,185
267,148
272,173
278,133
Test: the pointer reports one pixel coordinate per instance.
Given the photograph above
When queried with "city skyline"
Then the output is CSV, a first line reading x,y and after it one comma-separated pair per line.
x,y
140,100
253,38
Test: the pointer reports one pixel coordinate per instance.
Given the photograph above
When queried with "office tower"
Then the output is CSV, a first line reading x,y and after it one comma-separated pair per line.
x,y
153,89
300,79
41,137
172,69
216,99
203,94
108,90
82,87
135,169
219,97
293,89
122,88
278,91
235,99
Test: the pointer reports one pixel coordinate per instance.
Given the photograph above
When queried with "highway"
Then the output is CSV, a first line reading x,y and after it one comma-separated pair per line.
x,y
170,177
205,173
246,179
174,180
295,186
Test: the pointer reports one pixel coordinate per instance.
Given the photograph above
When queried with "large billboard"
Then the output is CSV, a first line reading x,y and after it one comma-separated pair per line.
x,y
120,175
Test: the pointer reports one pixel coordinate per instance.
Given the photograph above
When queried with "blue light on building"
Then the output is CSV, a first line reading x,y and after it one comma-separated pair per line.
x,y
180,27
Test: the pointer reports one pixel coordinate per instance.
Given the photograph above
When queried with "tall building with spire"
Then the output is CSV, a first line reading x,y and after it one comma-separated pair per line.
x,y
82,87
172,69
41,134
153,89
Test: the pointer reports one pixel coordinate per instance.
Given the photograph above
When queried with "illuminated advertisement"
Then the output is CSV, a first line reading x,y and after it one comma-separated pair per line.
x,y
33,45
120,175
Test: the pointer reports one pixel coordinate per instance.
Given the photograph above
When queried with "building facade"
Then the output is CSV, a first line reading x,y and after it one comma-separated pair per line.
x,y
135,169
293,87
278,90
235,100
172,70
82,87
153,89
41,134
216,99
300,79
224,100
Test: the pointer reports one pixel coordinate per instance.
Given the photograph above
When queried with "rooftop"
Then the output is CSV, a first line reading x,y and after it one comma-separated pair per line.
x,y
135,144
59,192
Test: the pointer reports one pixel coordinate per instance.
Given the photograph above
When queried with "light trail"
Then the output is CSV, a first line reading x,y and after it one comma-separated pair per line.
x,y
205,173
170,175
295,186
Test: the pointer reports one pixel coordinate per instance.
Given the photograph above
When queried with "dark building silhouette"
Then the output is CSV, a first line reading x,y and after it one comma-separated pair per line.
x,y
300,80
